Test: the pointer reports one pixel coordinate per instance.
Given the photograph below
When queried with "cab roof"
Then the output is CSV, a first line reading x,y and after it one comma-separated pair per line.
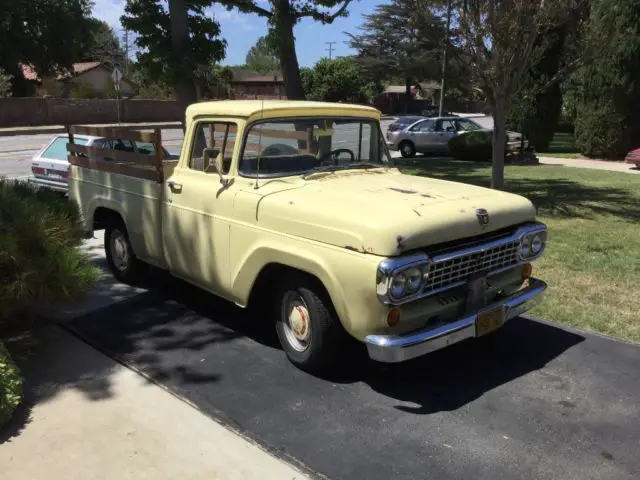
x,y
248,108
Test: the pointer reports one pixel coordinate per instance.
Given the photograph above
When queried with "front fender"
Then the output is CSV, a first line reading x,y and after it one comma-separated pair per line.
x,y
349,278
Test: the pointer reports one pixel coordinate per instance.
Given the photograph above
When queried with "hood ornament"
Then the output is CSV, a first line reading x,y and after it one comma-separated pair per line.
x,y
483,217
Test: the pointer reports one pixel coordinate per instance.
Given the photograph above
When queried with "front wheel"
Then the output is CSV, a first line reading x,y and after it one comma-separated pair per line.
x,y
407,149
308,328
121,259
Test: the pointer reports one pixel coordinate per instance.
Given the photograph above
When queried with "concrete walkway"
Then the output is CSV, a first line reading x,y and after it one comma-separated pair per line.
x,y
591,164
89,418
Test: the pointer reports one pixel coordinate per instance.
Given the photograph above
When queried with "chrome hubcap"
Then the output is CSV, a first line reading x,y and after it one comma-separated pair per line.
x,y
297,326
406,149
119,251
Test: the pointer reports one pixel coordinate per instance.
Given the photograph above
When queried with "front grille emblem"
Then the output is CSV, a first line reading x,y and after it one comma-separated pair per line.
x,y
483,217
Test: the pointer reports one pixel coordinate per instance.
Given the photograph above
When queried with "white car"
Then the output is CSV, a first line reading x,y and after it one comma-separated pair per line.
x,y
50,167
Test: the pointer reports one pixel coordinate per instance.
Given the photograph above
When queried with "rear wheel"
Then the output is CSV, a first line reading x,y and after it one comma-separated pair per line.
x,y
307,326
407,149
121,259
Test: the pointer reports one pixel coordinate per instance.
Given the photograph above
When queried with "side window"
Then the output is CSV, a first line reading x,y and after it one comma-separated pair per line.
x,y
426,126
218,138
445,126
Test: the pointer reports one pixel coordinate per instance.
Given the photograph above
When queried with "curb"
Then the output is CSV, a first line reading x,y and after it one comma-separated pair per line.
x,y
12,131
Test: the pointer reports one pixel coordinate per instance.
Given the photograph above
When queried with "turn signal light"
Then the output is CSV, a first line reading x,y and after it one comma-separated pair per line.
x,y
393,317
527,270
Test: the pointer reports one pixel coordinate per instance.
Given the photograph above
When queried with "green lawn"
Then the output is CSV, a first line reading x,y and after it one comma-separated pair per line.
x,y
592,261
562,146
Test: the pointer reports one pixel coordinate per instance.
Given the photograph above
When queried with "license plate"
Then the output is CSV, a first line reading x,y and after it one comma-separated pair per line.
x,y
489,320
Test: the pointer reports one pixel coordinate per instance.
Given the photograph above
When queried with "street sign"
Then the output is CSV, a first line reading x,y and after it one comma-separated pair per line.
x,y
116,75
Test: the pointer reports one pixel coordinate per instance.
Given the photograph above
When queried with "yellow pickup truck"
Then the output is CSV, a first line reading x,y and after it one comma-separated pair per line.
x,y
298,206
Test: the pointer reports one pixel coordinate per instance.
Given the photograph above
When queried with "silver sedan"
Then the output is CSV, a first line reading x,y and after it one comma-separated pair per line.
x,y
432,135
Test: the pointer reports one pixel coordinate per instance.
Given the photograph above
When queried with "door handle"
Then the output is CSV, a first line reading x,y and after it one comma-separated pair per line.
x,y
174,186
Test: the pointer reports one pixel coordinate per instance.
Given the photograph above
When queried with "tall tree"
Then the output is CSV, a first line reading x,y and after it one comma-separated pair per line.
x,y
176,41
47,34
502,40
262,58
607,92
398,38
103,45
282,16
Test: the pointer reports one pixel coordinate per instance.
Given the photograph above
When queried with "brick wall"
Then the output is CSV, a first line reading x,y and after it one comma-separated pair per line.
x,y
19,112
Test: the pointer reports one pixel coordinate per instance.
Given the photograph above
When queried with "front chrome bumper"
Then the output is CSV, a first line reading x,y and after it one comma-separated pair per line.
x,y
398,348
58,186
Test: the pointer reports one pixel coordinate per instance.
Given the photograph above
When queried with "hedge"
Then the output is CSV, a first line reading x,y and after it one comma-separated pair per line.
x,y
40,263
10,386
472,146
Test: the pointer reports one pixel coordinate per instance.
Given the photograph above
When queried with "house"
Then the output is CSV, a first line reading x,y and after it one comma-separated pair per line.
x,y
94,75
251,84
393,98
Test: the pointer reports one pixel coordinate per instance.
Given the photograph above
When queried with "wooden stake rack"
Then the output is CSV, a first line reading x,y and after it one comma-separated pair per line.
x,y
133,164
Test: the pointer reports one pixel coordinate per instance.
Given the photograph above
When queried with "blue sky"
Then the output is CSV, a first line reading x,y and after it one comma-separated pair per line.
x,y
241,31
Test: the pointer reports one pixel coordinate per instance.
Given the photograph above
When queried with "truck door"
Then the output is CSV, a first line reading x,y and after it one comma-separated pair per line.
x,y
197,207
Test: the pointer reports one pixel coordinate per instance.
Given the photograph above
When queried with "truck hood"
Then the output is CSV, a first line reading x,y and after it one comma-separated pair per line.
x,y
387,213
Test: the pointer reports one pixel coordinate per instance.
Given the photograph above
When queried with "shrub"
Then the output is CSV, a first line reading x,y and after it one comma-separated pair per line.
x,y
10,386
40,263
472,146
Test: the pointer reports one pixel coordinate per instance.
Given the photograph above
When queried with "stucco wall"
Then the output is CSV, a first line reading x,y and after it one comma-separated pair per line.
x,y
100,79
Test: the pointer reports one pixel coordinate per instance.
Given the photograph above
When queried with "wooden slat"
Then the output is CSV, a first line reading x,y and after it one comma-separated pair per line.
x,y
159,157
115,132
124,169
117,155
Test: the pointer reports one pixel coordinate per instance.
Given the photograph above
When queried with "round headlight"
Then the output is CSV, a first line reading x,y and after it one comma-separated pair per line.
x,y
414,279
525,247
398,285
536,244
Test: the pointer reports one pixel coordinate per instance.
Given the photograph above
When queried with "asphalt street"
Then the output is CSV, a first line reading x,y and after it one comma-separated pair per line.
x,y
537,401
16,151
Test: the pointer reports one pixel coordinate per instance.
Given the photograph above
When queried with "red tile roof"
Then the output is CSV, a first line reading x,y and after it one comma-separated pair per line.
x,y
30,73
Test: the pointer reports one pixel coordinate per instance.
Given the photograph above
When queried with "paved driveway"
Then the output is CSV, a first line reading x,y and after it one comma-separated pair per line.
x,y
536,402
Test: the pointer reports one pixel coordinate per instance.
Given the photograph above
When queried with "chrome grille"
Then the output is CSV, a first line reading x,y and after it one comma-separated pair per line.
x,y
454,270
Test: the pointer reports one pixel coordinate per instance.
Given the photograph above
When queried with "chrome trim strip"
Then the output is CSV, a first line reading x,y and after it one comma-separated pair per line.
x,y
50,184
388,267
398,348
444,257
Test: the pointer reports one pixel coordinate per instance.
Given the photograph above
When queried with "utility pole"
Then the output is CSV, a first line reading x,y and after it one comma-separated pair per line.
x,y
126,51
444,60
330,49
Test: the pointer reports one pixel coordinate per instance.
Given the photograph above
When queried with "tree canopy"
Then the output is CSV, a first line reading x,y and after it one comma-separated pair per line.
x,y
176,42
262,58
400,39
282,16
48,34
337,80
102,45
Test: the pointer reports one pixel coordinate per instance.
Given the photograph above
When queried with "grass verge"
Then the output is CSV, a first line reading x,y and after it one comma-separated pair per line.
x,y
592,261
562,146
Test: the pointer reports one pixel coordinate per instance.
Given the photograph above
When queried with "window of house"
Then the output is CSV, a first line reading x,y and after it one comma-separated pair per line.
x,y
218,138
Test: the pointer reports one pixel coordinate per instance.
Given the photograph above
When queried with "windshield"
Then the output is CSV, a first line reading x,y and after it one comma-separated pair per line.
x,y
299,146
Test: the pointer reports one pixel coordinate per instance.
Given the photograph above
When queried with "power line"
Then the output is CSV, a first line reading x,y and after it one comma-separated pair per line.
x,y
330,49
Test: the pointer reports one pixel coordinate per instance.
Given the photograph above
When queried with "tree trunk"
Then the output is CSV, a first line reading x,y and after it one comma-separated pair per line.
x,y
283,24
408,95
498,143
183,83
